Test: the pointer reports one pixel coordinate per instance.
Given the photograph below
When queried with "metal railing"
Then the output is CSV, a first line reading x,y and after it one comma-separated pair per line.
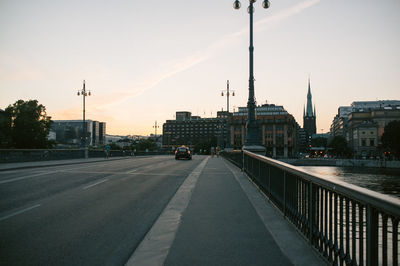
x,y
347,224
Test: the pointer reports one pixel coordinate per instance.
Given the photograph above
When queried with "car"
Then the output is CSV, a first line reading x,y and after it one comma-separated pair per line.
x,y
183,152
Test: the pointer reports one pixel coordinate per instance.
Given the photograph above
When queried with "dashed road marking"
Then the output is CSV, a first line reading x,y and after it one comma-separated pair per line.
x,y
95,184
19,212
154,248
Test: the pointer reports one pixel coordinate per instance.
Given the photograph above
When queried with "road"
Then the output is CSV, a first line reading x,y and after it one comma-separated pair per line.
x,y
84,214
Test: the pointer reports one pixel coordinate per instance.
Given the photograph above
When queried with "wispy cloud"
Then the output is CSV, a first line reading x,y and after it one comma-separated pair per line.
x,y
178,66
208,52
271,21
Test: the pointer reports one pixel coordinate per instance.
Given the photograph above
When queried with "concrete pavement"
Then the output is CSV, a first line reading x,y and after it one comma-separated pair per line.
x,y
226,222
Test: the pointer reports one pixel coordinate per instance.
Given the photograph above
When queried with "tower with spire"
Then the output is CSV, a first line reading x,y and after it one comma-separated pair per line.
x,y
309,115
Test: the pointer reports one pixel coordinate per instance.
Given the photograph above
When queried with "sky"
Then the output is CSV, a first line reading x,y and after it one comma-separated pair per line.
x,y
145,60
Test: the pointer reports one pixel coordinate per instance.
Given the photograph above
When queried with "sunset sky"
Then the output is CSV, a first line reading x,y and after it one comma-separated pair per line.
x,y
145,60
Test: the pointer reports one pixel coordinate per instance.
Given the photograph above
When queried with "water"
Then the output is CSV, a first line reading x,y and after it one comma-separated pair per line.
x,y
386,181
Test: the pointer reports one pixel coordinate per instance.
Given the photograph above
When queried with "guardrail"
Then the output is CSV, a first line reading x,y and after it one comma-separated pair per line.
x,y
31,155
345,223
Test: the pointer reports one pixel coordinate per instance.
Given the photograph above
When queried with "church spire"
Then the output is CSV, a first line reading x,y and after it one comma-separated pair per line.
x,y
309,112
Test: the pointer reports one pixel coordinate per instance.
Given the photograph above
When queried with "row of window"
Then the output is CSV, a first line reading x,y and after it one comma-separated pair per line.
x,y
364,142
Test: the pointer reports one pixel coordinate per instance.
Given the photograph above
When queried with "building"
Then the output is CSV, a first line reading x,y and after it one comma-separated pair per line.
x,y
339,123
363,123
102,133
95,133
69,132
309,115
190,130
371,105
278,128
365,129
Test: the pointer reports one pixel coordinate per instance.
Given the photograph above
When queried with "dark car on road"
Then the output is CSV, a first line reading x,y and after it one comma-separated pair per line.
x,y
183,152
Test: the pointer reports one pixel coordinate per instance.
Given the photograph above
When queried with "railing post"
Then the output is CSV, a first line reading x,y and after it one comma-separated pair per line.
x,y
284,193
372,236
243,161
310,212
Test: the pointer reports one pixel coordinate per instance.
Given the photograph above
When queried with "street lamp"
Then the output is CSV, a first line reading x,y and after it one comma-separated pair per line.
x,y
84,93
155,133
253,137
227,92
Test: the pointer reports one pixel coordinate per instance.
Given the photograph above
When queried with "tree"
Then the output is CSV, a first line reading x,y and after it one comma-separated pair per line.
x,y
391,138
29,125
5,129
319,142
143,144
339,146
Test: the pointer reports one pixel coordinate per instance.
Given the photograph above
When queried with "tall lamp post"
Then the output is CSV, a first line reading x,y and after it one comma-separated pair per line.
x,y
227,95
227,92
253,140
84,93
155,134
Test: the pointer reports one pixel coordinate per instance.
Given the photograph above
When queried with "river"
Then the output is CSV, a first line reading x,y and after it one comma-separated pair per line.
x,y
386,181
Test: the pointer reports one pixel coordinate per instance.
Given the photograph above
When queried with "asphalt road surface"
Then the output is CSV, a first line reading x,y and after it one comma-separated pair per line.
x,y
84,214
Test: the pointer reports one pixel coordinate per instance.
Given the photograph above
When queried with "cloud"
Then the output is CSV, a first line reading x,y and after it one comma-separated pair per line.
x,y
102,104
270,21
173,68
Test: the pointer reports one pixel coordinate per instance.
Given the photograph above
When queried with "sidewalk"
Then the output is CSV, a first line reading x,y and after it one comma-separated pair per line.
x,y
22,165
226,221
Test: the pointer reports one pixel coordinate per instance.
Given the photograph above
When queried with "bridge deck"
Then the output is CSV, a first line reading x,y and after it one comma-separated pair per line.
x,y
226,221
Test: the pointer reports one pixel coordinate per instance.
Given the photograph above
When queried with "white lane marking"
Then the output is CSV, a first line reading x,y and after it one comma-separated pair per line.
x,y
95,184
154,248
25,177
19,212
131,172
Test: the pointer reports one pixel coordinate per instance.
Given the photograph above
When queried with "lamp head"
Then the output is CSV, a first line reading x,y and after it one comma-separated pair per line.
x,y
265,4
236,4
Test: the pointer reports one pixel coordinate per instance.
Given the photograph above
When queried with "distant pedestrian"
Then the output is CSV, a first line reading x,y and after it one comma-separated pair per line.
x,y
218,150
107,151
212,152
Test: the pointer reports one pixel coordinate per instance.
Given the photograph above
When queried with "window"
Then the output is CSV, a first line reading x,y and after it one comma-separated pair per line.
x,y
371,142
363,142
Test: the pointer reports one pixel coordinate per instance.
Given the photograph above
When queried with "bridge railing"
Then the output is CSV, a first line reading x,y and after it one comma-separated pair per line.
x,y
345,223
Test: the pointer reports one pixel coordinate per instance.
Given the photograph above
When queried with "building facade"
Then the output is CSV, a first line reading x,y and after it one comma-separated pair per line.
x,y
278,128
339,123
102,133
190,130
363,124
70,132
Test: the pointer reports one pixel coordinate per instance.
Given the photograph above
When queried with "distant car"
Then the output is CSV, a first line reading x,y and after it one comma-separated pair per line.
x,y
183,152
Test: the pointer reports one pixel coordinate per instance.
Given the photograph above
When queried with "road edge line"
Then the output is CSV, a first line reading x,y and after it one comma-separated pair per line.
x,y
154,248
